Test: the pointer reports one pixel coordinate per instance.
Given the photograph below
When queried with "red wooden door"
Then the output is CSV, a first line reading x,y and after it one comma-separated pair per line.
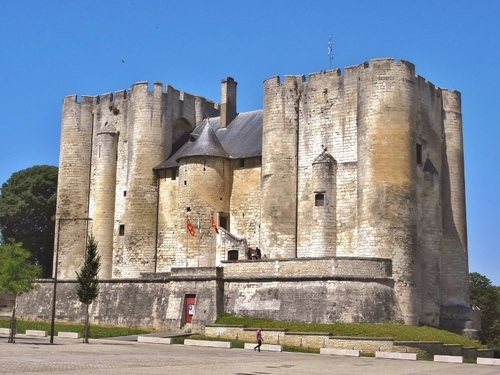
x,y
189,307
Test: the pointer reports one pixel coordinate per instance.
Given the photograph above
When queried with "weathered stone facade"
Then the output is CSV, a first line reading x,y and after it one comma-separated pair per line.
x,y
363,168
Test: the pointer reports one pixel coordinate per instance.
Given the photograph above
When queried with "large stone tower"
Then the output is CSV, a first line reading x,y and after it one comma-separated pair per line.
x,y
369,164
110,145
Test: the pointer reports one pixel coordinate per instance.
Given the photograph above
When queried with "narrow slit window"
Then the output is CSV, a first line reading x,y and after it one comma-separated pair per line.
x,y
122,230
419,153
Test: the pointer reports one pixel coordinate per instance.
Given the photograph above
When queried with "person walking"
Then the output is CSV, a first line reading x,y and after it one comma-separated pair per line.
x,y
258,335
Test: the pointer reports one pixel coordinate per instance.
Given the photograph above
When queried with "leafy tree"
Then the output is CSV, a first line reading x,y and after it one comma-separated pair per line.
x,y
87,287
487,297
17,275
27,211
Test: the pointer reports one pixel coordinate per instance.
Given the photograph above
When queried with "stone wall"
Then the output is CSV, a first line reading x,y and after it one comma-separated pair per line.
x,y
149,303
315,301
316,290
171,253
319,268
245,201
157,299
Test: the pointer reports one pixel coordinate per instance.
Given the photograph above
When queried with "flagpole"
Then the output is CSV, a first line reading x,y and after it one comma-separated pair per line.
x,y
330,56
187,242
199,238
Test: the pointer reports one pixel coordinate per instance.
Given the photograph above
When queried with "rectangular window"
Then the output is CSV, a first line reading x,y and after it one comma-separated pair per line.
x,y
319,200
122,230
173,174
224,221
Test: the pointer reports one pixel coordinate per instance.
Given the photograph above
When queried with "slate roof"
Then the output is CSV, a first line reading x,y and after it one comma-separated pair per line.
x,y
324,158
242,138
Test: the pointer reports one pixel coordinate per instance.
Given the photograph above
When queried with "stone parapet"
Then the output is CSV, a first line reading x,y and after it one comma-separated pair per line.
x,y
317,268
448,358
264,347
213,344
155,340
37,333
343,352
69,335
488,361
396,355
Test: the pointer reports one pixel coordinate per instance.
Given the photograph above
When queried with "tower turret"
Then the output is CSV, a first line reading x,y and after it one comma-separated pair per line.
x,y
279,166
454,255
204,180
387,173
74,184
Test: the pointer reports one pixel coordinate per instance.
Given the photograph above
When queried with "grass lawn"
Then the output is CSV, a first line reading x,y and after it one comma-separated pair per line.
x,y
96,332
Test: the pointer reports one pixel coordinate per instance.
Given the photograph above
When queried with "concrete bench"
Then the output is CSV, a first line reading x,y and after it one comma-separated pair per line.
x,y
488,361
5,331
155,340
449,358
396,355
343,352
264,347
33,332
213,344
69,335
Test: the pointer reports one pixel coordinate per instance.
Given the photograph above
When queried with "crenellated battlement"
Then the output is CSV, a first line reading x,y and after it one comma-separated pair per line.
x,y
371,66
138,89
320,76
387,63
452,100
293,79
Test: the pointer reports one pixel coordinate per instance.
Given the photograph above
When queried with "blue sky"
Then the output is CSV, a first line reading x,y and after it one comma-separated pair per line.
x,y
54,48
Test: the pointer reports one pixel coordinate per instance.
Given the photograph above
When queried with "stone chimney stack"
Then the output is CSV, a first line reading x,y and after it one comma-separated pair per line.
x,y
228,101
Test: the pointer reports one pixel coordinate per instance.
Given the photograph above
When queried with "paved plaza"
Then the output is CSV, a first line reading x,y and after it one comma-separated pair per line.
x,y
31,355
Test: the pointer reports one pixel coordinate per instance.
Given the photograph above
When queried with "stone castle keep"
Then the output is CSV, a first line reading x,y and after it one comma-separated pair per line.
x,y
351,184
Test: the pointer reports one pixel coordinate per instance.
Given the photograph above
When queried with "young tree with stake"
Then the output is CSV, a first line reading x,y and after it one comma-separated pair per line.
x,y
87,287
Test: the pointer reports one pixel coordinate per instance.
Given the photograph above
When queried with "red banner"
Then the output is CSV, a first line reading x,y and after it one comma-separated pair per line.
x,y
214,225
190,228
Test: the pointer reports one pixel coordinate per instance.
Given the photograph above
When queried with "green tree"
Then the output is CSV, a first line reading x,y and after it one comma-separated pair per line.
x,y
27,212
487,297
17,275
87,287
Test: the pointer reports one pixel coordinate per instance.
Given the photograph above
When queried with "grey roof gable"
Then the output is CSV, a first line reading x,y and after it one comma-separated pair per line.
x,y
206,144
242,138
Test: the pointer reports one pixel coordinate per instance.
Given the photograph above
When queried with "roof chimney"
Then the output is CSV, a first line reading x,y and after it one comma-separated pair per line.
x,y
228,101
